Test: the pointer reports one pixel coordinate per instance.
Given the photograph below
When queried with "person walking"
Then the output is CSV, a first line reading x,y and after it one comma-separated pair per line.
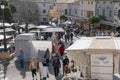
x,y
21,56
56,65
71,36
45,71
33,67
40,68
61,49
47,56
65,37
65,63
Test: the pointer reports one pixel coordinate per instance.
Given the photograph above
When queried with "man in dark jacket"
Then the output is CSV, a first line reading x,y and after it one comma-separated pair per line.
x,y
56,65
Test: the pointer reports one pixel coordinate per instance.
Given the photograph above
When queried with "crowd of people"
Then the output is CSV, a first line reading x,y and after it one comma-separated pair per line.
x,y
41,65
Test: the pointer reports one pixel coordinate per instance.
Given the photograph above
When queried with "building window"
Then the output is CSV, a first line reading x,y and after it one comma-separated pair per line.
x,y
97,12
103,12
119,14
110,2
75,11
97,2
65,11
91,2
44,11
70,11
103,2
88,2
43,4
110,13
81,12
44,19
82,2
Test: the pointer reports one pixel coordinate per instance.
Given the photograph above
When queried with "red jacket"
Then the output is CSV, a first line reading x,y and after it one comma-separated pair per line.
x,y
62,48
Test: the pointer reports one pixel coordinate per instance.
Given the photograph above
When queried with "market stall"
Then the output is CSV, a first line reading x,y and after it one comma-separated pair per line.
x,y
98,57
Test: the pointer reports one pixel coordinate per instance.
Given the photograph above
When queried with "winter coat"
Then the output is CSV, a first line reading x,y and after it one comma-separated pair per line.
x,y
62,48
21,55
43,70
56,63
65,61
35,64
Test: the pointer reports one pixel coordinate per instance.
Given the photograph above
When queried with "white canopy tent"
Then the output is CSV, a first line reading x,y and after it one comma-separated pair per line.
x,y
30,26
43,26
68,22
58,29
5,24
7,37
30,46
96,56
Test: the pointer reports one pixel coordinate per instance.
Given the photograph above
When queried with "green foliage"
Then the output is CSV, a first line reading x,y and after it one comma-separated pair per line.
x,y
5,2
63,17
13,8
8,11
8,14
94,19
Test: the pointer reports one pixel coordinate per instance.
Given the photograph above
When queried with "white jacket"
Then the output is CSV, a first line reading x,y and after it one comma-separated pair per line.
x,y
44,70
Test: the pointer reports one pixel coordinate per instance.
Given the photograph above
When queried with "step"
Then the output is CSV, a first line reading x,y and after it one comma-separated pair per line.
x,y
1,76
1,72
4,79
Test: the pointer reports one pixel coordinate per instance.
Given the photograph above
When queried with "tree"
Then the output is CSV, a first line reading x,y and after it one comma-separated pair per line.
x,y
63,17
93,20
8,11
28,13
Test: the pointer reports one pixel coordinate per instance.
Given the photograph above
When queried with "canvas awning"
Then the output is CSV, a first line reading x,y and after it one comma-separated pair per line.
x,y
53,30
96,44
30,26
2,37
68,22
42,26
81,44
108,23
5,24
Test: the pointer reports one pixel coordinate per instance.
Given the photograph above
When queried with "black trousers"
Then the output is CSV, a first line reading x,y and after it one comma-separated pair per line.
x,y
56,71
61,53
21,63
33,72
47,60
44,78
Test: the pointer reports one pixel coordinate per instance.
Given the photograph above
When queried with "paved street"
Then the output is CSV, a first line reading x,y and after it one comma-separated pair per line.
x,y
11,69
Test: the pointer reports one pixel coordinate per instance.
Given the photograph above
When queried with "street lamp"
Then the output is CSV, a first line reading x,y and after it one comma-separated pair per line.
x,y
3,7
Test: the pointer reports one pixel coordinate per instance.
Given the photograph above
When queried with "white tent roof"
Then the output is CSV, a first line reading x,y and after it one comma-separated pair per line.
x,y
81,44
117,43
5,24
58,29
30,26
96,44
68,22
2,37
25,36
7,30
42,26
